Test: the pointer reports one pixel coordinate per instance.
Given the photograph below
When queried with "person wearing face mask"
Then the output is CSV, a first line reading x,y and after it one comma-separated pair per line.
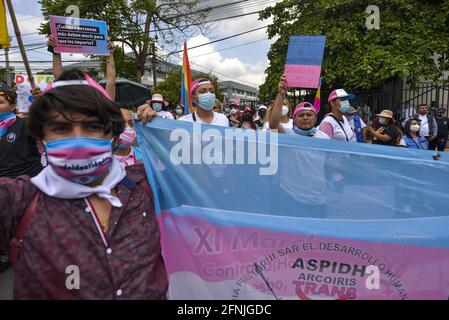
x,y
304,116
203,99
19,153
247,121
428,123
335,124
179,112
233,111
357,124
127,150
412,139
388,133
217,106
440,141
285,121
158,104
83,209
226,110
261,118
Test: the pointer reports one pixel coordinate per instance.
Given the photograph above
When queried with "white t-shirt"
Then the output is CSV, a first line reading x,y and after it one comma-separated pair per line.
x,y
424,130
287,126
317,135
338,130
165,115
218,120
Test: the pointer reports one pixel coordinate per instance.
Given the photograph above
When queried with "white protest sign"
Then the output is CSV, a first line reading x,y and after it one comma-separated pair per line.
x,y
24,97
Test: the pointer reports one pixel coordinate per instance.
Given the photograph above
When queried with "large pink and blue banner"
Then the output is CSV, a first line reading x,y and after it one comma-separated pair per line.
x,y
329,220
304,60
76,35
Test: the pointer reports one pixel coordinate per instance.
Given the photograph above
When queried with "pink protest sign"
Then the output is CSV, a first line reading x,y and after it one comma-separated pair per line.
x,y
304,60
79,35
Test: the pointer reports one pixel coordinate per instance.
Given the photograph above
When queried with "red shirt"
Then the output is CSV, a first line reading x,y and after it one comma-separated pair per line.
x,y
61,234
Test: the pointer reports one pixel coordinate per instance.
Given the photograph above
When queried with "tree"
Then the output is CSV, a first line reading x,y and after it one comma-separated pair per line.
x,y
411,33
139,24
125,66
170,88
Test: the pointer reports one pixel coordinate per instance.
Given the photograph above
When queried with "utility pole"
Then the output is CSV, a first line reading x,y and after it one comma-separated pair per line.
x,y
7,75
20,42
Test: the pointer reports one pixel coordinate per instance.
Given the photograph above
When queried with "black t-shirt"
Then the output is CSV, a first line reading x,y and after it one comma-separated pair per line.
x,y
393,132
18,152
443,127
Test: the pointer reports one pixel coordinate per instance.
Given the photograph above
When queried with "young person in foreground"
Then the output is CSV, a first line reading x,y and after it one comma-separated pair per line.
x,y
84,228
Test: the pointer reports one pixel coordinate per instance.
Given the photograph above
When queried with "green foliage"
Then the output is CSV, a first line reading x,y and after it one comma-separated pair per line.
x,y
133,23
170,88
125,66
411,33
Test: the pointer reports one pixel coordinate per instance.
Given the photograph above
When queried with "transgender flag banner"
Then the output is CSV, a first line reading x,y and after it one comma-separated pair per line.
x,y
257,215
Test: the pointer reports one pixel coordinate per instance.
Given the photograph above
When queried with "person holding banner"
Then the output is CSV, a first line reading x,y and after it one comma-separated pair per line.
x,y
412,139
19,154
335,124
179,111
203,99
158,104
304,116
84,212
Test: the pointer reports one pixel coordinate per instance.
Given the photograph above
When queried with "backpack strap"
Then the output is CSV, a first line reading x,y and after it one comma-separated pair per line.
x,y
16,243
341,126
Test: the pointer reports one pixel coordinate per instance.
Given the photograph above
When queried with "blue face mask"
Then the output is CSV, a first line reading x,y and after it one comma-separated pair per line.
x,y
344,106
207,101
307,133
157,107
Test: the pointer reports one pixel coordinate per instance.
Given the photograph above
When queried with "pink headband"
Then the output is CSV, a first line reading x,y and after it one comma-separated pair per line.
x,y
198,82
87,82
303,106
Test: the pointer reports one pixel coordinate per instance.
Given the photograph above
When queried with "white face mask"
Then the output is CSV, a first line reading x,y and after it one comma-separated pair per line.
x,y
415,127
233,111
284,111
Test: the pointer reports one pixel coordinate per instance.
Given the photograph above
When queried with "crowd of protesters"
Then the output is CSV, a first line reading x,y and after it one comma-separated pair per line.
x,y
75,161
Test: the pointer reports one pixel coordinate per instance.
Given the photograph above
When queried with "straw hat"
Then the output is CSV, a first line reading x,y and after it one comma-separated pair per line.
x,y
386,114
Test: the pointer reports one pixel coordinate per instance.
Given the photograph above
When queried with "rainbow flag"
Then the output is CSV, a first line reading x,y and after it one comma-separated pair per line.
x,y
186,81
4,37
317,102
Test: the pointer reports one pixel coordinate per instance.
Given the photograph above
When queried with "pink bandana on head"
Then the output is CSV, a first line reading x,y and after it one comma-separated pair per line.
x,y
87,82
198,82
304,106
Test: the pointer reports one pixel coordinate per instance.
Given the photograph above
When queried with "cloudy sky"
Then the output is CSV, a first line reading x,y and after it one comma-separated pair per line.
x,y
245,63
